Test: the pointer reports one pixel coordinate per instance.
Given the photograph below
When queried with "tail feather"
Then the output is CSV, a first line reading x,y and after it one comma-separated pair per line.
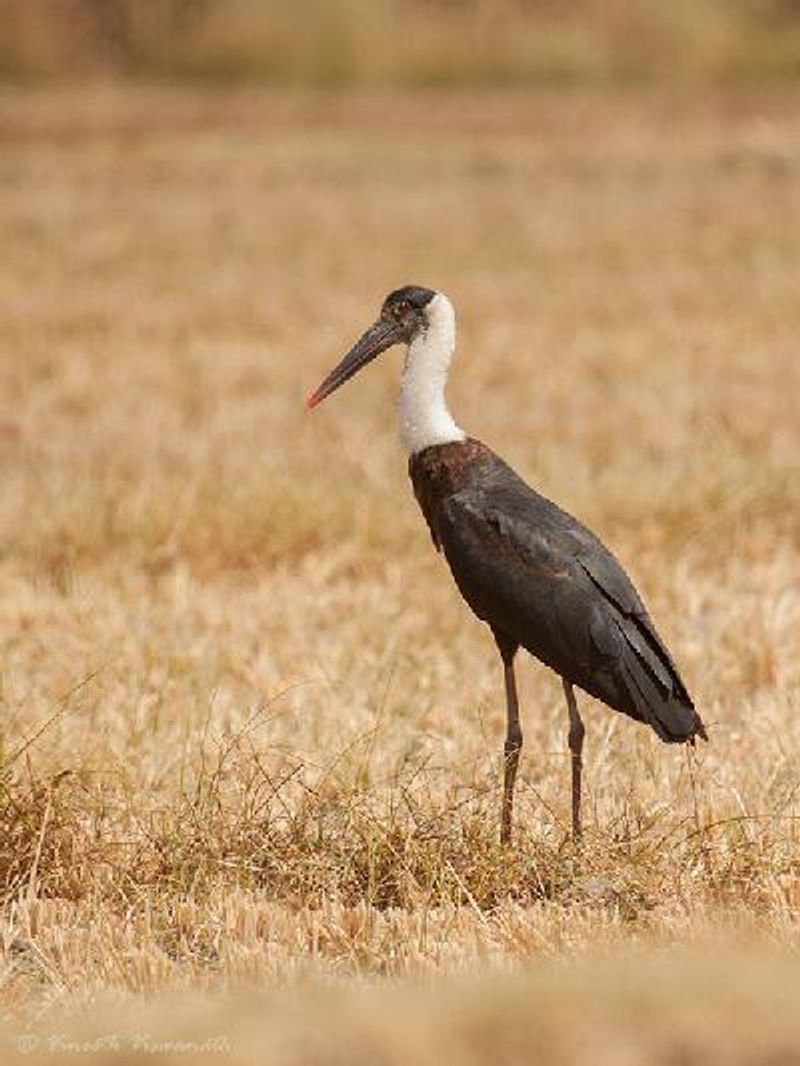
x,y
673,718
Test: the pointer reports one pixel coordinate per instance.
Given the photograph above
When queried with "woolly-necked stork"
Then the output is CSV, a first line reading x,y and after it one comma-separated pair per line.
x,y
532,572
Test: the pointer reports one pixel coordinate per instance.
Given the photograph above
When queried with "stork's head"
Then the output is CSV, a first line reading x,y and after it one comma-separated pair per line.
x,y
403,316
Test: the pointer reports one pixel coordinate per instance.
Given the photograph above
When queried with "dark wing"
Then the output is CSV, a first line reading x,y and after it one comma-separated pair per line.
x,y
535,574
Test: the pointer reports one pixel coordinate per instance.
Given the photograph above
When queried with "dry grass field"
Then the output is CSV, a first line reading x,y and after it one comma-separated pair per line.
x,y
250,736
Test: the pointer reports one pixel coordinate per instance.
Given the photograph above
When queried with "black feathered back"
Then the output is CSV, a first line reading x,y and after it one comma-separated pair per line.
x,y
542,580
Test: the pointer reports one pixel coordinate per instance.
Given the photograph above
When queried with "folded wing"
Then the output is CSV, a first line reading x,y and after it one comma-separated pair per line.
x,y
536,575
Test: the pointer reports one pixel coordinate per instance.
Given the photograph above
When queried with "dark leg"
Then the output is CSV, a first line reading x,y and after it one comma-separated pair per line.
x,y
513,744
576,734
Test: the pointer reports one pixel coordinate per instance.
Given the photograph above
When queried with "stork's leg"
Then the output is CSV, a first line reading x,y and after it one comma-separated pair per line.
x,y
576,734
513,743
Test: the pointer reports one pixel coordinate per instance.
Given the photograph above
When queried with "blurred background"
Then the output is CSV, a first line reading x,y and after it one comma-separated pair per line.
x,y
337,43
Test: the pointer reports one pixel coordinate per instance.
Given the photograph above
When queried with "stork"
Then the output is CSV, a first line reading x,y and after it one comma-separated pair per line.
x,y
534,574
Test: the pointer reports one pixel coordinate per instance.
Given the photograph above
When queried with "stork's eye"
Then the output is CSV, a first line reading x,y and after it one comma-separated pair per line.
x,y
402,308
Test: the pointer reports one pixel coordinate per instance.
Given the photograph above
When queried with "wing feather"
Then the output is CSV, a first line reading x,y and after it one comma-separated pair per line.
x,y
536,574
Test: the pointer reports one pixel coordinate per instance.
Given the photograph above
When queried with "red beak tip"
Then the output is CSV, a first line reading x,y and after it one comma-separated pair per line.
x,y
311,401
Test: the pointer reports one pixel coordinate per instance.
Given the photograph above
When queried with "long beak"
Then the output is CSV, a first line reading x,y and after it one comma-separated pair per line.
x,y
380,336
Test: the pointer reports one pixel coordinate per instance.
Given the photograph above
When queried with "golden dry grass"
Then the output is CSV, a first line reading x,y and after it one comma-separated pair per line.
x,y
735,1009
249,731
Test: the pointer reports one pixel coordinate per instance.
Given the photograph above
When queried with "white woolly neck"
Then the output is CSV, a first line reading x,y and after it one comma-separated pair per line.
x,y
424,417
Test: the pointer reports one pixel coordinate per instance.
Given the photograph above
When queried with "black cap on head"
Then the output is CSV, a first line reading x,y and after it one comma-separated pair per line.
x,y
415,295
